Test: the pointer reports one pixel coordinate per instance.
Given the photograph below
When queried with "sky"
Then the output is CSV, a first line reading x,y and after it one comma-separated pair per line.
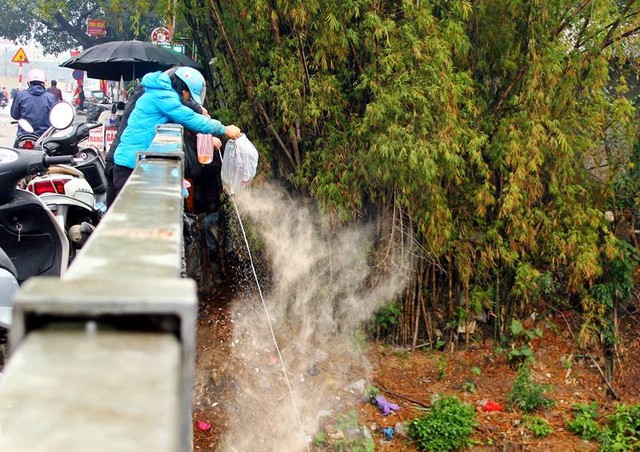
x,y
37,59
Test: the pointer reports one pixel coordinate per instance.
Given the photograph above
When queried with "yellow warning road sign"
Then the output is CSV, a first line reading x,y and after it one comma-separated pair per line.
x,y
20,57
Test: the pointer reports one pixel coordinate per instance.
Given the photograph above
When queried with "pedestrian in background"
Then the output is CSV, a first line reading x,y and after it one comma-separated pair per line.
x,y
78,96
53,89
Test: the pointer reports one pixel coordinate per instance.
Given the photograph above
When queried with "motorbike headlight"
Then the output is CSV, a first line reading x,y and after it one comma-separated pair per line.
x,y
8,155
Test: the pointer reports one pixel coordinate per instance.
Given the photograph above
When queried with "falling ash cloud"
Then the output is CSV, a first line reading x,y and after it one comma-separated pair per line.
x,y
321,288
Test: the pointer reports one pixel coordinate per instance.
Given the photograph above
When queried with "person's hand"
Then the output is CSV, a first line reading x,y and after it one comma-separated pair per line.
x,y
217,144
232,132
205,112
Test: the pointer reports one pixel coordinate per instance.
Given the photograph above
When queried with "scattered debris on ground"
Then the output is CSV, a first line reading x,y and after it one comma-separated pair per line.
x,y
408,383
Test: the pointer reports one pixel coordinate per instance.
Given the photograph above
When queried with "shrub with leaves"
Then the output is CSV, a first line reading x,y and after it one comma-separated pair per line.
x,y
539,426
480,124
385,321
622,431
585,421
521,337
448,425
526,395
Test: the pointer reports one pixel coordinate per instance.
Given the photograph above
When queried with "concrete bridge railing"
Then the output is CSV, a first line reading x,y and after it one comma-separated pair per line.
x,y
102,359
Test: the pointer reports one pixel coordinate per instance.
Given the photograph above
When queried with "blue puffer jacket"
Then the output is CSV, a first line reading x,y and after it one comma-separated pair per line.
x,y
159,104
34,105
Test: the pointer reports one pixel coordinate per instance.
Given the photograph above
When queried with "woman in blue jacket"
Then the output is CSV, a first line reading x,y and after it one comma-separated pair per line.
x,y
163,102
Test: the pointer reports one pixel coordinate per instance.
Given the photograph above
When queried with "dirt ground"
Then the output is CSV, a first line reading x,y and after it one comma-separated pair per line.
x,y
474,374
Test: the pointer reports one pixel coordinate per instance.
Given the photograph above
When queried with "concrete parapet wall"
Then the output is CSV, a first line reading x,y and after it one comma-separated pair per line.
x,y
102,358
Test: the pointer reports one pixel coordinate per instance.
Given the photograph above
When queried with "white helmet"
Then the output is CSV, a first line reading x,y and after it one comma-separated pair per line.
x,y
35,75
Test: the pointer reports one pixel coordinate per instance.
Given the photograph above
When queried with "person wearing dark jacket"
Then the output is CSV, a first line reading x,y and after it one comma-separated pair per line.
x,y
108,158
53,89
33,104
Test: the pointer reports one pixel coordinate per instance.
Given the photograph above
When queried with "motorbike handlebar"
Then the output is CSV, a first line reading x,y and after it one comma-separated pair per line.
x,y
58,160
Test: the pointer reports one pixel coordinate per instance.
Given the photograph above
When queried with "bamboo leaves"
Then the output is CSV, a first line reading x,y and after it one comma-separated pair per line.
x,y
483,121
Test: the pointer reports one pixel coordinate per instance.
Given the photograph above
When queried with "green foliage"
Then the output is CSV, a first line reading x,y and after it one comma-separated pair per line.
x,y
448,425
526,395
481,125
61,25
469,386
585,421
372,393
320,439
443,364
616,287
385,320
353,440
539,426
388,316
622,430
521,350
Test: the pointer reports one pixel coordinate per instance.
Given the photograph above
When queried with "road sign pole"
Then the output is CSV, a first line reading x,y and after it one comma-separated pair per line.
x,y
19,75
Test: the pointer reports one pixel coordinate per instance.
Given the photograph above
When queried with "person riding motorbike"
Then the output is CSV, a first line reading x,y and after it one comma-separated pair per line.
x,y
33,104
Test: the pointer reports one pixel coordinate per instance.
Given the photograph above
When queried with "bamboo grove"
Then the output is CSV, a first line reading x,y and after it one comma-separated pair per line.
x,y
494,134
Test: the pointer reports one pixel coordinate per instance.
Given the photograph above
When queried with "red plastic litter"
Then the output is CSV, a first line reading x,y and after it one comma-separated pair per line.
x,y
491,406
202,425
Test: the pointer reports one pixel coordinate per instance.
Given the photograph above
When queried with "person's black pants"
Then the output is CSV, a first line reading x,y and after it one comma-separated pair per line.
x,y
119,178
111,189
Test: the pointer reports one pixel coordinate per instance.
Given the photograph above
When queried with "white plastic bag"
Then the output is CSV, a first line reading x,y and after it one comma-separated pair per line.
x,y
239,164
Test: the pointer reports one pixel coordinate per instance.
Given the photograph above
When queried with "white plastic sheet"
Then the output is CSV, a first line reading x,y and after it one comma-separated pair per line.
x,y
239,164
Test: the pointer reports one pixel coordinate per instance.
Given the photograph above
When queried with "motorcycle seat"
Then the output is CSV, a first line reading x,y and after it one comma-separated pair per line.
x,y
64,169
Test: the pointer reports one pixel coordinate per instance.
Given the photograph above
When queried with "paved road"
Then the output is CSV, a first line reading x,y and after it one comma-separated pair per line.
x,y
7,130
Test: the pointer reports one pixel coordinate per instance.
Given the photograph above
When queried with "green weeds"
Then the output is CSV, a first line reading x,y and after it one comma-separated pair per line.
x,y
526,395
448,425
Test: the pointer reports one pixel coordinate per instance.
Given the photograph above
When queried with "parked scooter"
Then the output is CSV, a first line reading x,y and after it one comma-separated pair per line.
x,y
31,240
75,193
8,288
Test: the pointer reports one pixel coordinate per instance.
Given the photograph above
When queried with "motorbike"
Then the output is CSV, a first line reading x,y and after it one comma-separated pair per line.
x,y
32,243
75,193
27,140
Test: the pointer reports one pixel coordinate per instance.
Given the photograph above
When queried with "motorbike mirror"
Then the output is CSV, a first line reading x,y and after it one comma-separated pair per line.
x,y
24,125
61,115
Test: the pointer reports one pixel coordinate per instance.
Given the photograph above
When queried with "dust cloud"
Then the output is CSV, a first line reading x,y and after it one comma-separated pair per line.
x,y
322,283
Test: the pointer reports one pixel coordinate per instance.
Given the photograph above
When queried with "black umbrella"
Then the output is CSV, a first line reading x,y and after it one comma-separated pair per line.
x,y
126,60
